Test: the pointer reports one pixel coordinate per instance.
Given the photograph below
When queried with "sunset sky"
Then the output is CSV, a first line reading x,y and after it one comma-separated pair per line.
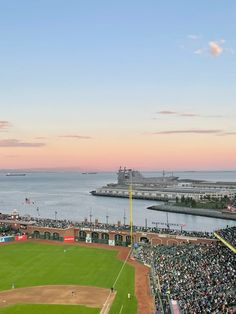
x,y
98,84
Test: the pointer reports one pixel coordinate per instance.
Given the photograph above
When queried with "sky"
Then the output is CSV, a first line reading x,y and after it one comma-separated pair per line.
x,y
95,85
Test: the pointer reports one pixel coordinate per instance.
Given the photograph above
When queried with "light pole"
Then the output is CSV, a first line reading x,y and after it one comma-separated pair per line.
x,y
90,217
55,215
107,219
124,218
181,226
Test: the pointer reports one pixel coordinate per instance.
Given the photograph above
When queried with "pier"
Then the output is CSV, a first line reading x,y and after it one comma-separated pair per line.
x,y
211,213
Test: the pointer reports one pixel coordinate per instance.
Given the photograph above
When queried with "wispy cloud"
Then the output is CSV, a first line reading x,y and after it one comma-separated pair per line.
x,y
227,133
18,143
229,50
193,36
167,112
75,136
199,51
189,131
189,115
4,124
186,114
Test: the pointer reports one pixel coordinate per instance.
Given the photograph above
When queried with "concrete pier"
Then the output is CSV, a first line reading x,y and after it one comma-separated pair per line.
x,y
212,213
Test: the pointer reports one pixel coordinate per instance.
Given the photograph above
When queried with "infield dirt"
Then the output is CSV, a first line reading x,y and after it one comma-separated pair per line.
x,y
58,294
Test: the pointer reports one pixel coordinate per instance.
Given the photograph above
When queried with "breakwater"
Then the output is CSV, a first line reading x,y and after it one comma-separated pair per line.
x,y
211,213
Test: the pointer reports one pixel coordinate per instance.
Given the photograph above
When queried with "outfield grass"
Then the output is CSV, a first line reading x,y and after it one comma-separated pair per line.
x,y
31,264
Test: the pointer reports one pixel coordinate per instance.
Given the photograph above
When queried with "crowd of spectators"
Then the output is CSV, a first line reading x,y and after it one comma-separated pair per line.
x,y
51,223
229,235
7,230
179,232
64,224
201,277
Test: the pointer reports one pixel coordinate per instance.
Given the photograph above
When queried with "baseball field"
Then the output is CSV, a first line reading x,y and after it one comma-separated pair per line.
x,y
64,279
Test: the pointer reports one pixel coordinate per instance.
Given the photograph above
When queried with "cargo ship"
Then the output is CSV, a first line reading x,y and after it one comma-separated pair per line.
x,y
15,174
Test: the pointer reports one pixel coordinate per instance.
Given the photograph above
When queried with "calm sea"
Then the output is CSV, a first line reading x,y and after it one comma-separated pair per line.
x,y
67,193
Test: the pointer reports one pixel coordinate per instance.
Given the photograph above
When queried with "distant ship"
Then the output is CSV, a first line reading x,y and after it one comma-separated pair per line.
x,y
126,176
89,172
164,187
15,174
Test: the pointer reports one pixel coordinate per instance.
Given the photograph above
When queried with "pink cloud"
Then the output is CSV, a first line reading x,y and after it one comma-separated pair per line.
x,y
197,131
187,114
78,137
227,133
215,49
17,143
4,124
167,112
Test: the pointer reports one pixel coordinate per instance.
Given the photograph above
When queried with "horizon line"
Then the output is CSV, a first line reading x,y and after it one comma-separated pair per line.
x,y
98,170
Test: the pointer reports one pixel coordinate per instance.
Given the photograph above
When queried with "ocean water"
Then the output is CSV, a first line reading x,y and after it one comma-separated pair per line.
x,y
67,193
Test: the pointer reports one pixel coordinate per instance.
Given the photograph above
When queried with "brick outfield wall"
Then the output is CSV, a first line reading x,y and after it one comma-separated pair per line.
x,y
103,236
117,236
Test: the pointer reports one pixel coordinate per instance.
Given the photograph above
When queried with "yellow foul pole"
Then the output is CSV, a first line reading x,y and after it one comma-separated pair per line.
x,y
131,210
233,249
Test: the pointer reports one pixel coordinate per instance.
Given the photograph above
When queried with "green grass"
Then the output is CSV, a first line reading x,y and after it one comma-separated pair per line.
x,y
31,264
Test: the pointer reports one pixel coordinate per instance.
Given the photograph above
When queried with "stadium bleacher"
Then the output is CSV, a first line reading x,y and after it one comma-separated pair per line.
x,y
201,278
